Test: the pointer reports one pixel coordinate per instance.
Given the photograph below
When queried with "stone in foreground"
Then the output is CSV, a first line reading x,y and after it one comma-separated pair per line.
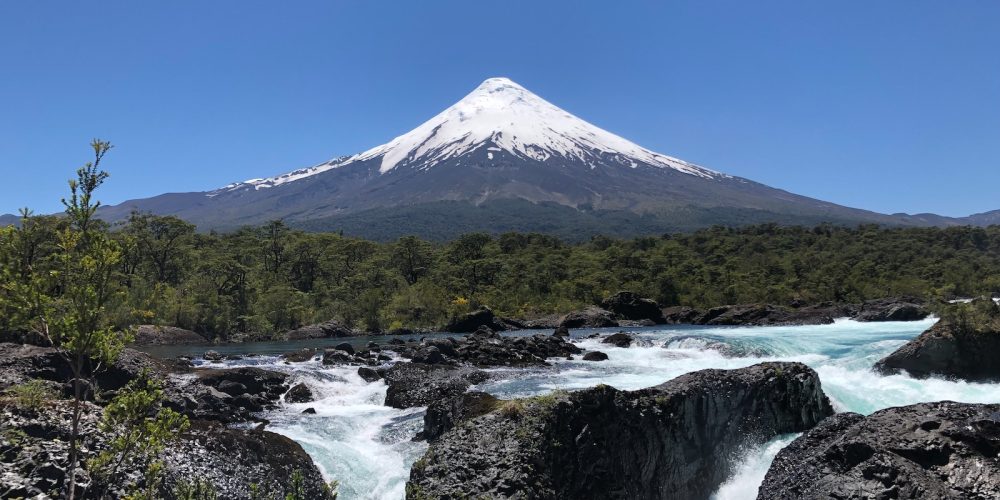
x,y
940,450
677,440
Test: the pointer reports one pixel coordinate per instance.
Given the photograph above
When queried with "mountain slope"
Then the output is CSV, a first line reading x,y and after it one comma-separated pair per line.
x,y
501,142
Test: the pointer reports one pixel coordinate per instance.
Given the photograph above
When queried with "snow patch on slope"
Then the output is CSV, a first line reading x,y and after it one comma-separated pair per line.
x,y
507,117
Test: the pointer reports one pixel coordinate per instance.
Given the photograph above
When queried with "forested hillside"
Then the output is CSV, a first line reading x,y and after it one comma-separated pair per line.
x,y
257,281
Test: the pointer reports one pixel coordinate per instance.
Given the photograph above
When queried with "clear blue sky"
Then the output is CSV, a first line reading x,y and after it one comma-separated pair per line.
x,y
888,105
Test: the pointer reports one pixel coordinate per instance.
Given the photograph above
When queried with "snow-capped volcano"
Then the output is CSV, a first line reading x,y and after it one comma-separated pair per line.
x,y
501,158
500,116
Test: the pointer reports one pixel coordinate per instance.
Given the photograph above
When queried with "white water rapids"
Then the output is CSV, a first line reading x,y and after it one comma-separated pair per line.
x,y
367,447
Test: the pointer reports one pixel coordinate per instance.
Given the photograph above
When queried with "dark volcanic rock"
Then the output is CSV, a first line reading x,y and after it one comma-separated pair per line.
x,y
561,331
166,335
486,348
595,356
620,339
938,450
628,305
299,393
227,395
442,415
590,317
764,314
368,374
893,309
680,315
949,351
414,384
677,440
346,347
472,321
327,329
233,459
20,362
300,356
34,445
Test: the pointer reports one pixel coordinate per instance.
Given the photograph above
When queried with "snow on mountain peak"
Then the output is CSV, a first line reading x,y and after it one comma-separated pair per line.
x,y
508,116
501,115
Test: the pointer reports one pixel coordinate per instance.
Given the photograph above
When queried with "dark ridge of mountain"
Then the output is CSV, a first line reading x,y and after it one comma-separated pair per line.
x,y
504,148
446,220
990,218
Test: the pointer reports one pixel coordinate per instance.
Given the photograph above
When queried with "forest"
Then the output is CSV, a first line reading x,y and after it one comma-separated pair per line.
x,y
256,282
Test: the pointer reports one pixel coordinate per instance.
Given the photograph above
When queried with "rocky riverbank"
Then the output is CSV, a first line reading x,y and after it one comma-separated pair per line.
x,y
34,431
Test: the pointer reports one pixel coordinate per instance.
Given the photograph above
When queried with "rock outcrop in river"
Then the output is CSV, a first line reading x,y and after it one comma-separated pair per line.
x,y
948,350
941,450
676,440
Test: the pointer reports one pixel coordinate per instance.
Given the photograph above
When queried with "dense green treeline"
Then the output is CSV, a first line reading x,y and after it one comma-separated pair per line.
x,y
257,281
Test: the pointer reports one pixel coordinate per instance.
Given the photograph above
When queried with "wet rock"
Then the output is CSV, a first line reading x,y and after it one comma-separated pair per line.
x,y
630,306
677,440
166,335
309,411
226,395
620,339
336,357
368,375
937,450
396,342
346,347
299,393
299,356
561,331
590,317
950,351
893,309
414,384
595,356
212,356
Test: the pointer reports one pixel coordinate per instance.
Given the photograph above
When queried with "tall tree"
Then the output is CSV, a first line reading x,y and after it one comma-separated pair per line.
x,y
66,302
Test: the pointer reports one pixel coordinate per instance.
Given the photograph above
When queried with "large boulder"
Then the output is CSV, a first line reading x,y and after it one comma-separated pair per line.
x,y
628,305
767,314
892,309
942,450
166,335
950,351
470,322
327,329
415,384
681,439
445,413
680,315
620,339
233,459
589,317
